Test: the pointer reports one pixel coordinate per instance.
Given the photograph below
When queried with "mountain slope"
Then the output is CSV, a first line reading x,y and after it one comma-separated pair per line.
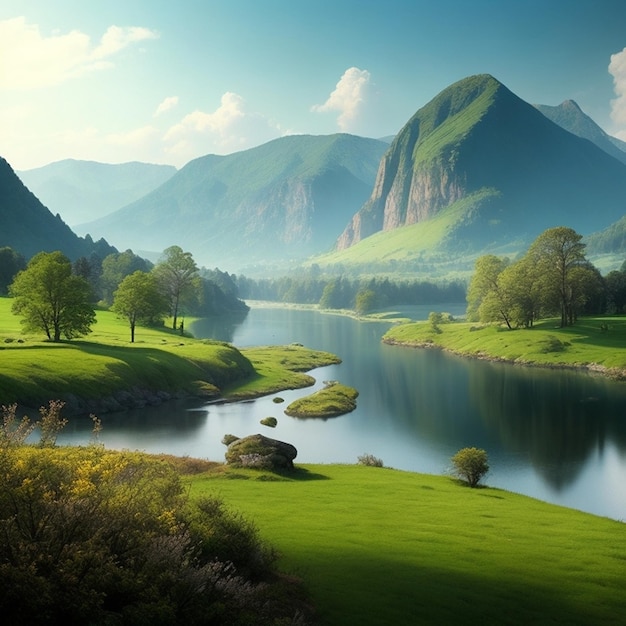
x,y
82,191
27,226
283,200
569,116
478,140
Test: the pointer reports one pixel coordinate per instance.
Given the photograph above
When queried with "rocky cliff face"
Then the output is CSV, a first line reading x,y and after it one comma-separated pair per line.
x,y
477,139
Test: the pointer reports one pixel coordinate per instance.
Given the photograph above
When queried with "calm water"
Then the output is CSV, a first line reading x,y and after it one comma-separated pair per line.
x,y
556,435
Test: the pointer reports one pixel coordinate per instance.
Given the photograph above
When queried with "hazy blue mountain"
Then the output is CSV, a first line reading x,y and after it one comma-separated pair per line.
x,y
479,169
27,226
569,116
284,200
81,191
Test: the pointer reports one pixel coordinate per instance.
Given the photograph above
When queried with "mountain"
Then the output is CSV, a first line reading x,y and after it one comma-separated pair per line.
x,y
569,116
28,227
479,169
81,191
284,200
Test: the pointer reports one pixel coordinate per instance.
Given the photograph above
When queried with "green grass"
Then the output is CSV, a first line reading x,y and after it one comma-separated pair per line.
x,y
411,242
333,400
35,371
583,345
380,546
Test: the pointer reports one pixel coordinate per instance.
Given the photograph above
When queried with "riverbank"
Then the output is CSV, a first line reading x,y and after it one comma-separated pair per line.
x,y
594,344
104,372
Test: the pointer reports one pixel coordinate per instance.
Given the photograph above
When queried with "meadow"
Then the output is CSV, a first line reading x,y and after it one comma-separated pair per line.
x,y
379,546
373,545
597,343
161,360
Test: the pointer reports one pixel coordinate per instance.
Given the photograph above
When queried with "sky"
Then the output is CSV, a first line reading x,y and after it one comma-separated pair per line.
x,y
165,82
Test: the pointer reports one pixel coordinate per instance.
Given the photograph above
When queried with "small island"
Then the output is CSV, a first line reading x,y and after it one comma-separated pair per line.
x,y
333,400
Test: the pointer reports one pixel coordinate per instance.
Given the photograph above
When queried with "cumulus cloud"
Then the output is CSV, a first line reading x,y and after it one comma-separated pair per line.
x,y
167,104
617,69
348,98
32,60
231,127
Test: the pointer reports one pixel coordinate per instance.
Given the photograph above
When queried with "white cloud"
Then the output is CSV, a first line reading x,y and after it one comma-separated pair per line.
x,y
167,104
31,60
231,127
348,98
617,68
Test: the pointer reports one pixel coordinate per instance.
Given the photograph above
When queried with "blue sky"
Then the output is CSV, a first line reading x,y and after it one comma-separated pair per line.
x,y
165,82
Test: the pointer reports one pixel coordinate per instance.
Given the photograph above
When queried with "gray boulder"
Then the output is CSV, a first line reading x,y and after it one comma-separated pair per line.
x,y
261,452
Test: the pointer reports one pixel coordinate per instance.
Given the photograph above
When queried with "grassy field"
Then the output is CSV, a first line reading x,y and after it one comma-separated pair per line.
x,y
94,367
595,342
380,546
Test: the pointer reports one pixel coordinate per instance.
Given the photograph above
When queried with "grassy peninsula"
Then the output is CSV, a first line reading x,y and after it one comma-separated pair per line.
x,y
381,546
104,371
593,343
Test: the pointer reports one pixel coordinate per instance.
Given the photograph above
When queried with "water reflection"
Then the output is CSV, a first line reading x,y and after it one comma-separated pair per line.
x,y
556,435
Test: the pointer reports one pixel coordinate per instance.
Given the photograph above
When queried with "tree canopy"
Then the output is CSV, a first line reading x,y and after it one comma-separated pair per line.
x,y
552,278
51,299
138,299
179,279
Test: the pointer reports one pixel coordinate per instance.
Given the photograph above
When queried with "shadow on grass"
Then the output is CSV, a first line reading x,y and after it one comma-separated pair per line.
x,y
385,590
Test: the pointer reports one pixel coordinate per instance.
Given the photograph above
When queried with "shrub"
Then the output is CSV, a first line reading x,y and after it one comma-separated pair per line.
x,y
470,465
228,439
370,459
97,537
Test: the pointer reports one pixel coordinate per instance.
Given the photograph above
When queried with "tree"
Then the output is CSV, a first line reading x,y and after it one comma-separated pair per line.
x,y
178,278
11,262
470,464
365,301
115,267
557,252
50,298
137,299
486,300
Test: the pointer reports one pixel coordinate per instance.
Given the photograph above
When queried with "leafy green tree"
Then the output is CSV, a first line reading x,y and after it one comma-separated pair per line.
x,y
11,262
365,301
556,253
524,292
487,301
49,297
179,279
115,267
615,282
138,299
470,464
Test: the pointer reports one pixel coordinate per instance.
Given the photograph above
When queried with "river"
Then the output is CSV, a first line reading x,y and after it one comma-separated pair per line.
x,y
556,435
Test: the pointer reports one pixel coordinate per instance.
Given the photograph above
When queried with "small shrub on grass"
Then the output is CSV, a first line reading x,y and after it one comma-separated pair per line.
x,y
371,460
470,465
228,439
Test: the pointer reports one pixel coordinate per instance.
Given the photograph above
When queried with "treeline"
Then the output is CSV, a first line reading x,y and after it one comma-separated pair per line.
x,y
215,291
362,295
553,278
57,297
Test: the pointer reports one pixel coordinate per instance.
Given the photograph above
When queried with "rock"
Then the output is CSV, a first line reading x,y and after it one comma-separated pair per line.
x,y
261,452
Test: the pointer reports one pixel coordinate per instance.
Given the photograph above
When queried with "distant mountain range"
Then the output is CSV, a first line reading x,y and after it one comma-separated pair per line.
x,y
28,227
286,199
475,170
478,169
82,191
